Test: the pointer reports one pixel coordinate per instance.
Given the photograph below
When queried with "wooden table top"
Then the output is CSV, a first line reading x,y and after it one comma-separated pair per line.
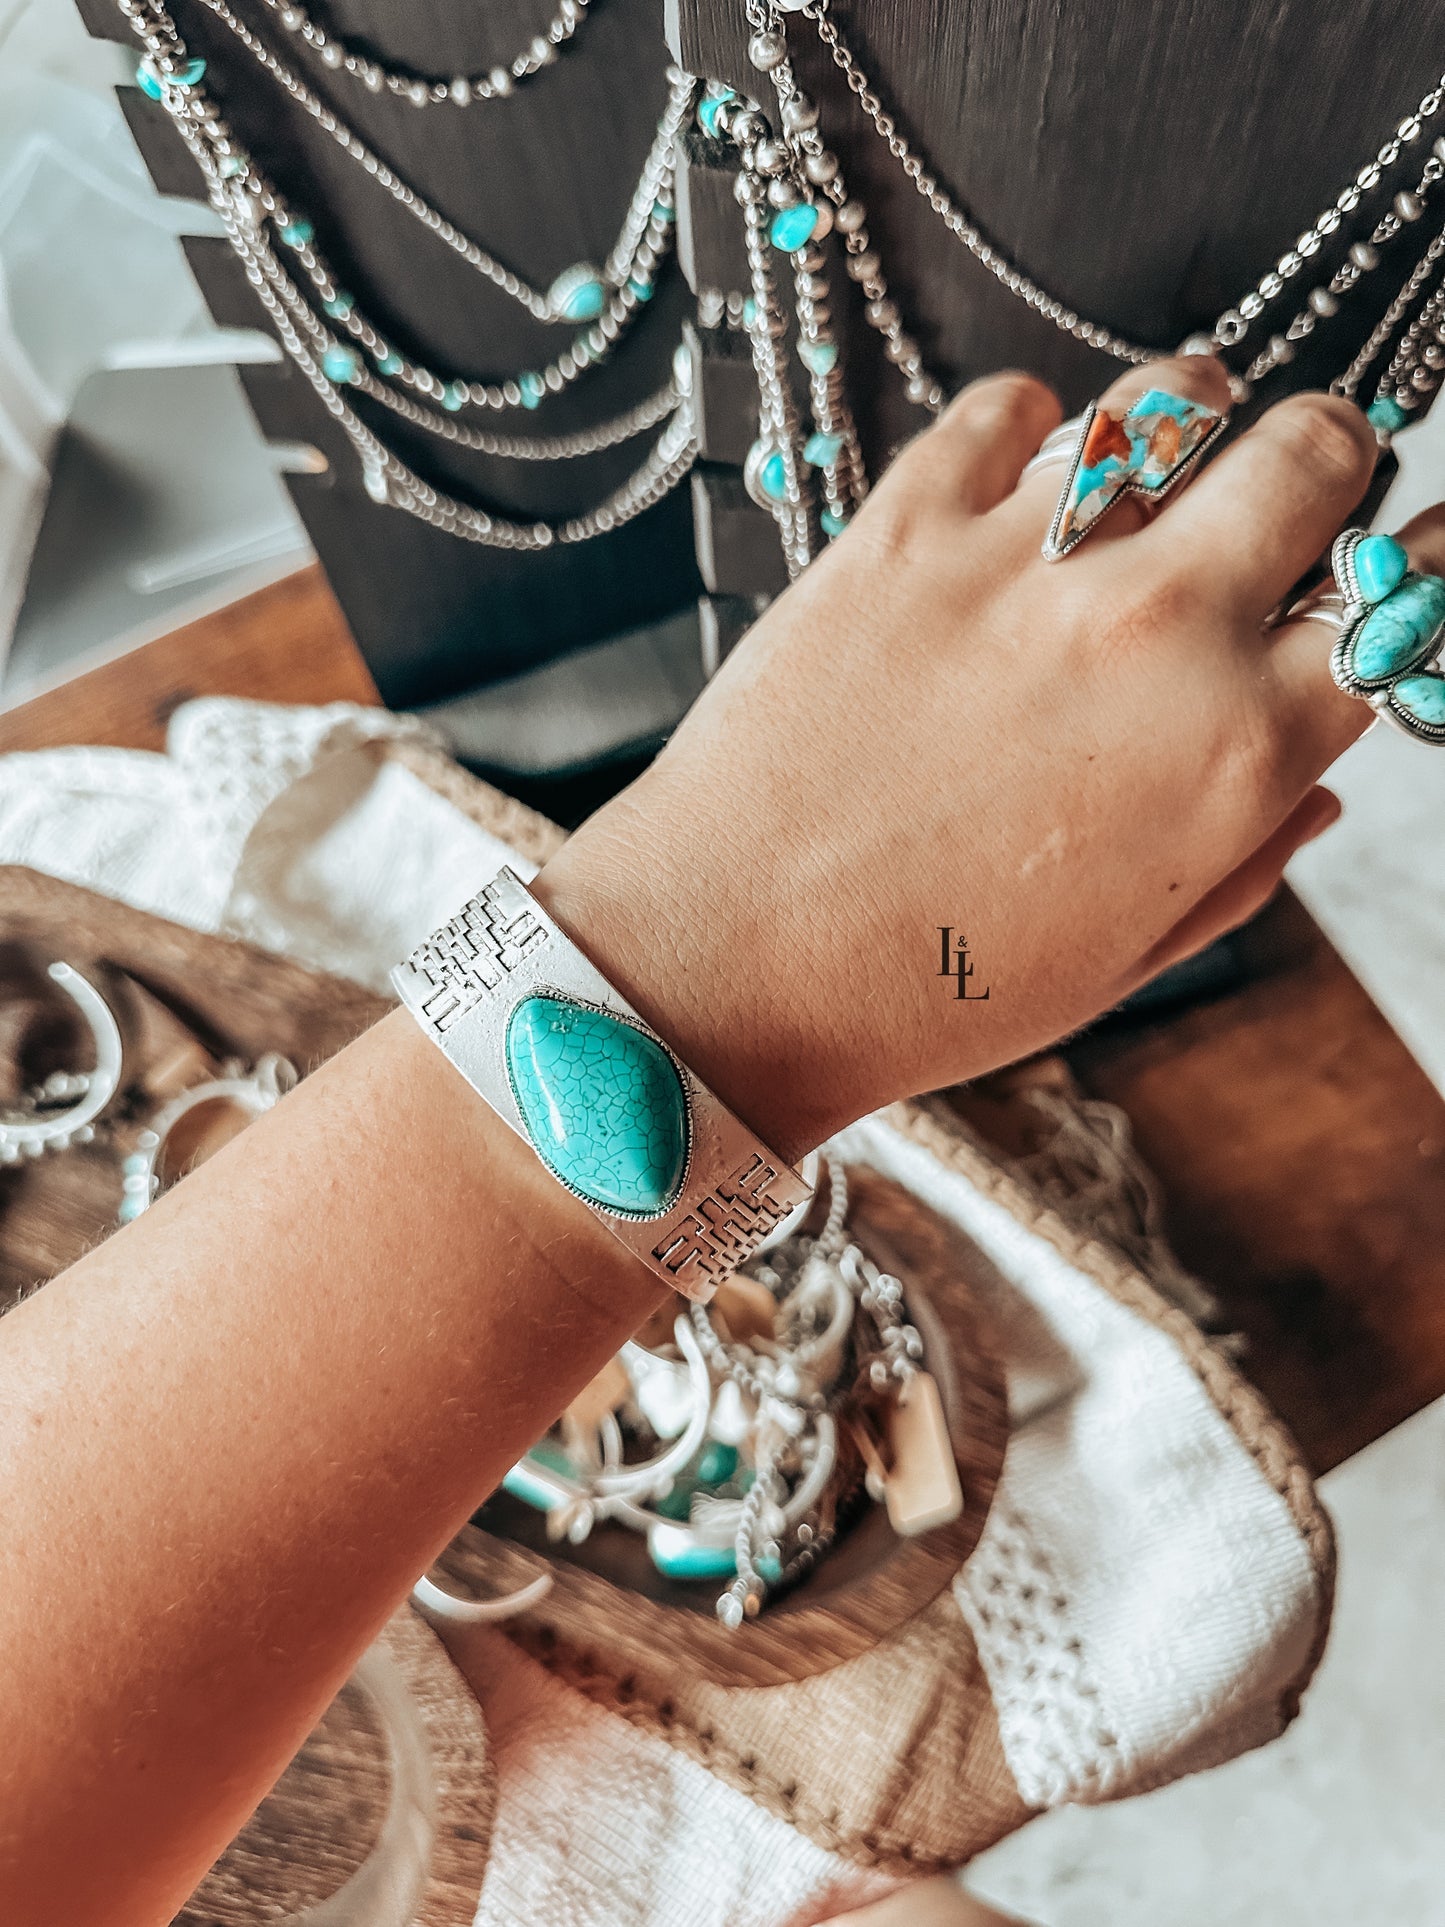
x,y
1300,1147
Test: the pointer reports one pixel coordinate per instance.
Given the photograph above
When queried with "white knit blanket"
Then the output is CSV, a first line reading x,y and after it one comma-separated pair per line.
x,y
1160,1594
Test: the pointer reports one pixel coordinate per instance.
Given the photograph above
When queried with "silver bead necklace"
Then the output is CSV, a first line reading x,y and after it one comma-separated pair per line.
x,y
461,90
580,293
1234,324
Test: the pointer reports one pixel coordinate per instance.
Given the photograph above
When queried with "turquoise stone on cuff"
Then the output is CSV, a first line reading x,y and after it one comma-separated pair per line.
x,y
602,1103
1401,631
341,363
793,227
1380,565
1387,415
1422,697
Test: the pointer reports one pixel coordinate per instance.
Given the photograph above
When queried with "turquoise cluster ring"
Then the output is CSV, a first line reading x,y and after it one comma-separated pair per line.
x,y
1389,623
615,1116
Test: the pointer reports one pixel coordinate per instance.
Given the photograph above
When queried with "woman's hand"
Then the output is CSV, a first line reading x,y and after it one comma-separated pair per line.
x,y
1091,767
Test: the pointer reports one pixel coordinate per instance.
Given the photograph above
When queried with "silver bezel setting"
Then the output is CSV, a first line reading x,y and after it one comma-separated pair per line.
x,y
1053,550
1355,610
463,984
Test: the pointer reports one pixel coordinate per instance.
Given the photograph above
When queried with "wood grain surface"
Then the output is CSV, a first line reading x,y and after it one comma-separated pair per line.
x,y
316,1828
287,643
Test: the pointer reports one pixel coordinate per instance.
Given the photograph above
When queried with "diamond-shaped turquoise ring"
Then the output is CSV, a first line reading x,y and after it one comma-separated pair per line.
x,y
567,1062
1389,624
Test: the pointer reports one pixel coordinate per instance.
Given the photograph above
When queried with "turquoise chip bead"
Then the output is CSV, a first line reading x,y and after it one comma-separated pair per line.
x,y
341,363
707,109
1422,697
389,362
533,388
1387,415
750,312
151,81
677,1555
793,227
819,357
1400,631
1380,565
296,233
716,1463
602,1102
338,306
640,290
832,523
232,166
453,395
665,212
821,449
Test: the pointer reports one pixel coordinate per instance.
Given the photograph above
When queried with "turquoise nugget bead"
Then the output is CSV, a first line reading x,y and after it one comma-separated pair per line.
x,y
1401,631
339,306
819,357
640,290
793,227
1422,697
1387,415
832,523
297,233
341,363
452,396
389,362
1380,565
602,1102
533,388
821,449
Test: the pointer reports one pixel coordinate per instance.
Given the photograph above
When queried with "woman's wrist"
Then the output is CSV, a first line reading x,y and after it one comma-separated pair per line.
x,y
691,942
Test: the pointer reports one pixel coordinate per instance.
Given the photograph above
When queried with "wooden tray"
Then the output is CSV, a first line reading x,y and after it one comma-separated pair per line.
x,y
241,1001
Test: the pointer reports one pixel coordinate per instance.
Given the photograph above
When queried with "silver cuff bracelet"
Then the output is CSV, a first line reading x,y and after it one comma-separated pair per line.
x,y
566,1061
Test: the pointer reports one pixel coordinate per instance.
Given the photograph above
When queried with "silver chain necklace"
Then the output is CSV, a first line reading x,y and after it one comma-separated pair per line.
x,y
580,293
251,213
1234,323
339,57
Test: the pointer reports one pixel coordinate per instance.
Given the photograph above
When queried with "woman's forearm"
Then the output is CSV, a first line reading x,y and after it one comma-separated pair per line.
x,y
232,1436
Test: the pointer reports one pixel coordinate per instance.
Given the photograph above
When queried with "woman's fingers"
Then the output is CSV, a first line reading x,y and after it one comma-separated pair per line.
x,y
1319,718
1267,507
1198,378
975,453
1247,888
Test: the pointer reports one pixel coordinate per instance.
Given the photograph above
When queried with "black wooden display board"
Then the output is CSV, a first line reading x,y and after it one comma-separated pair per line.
x,y
543,180
1147,161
